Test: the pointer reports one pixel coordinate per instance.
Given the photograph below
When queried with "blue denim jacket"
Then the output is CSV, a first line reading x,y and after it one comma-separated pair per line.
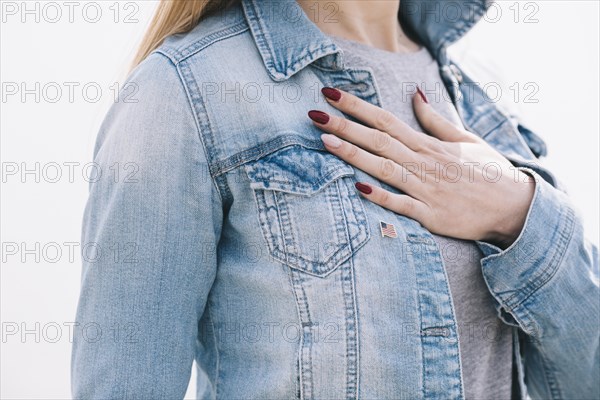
x,y
236,240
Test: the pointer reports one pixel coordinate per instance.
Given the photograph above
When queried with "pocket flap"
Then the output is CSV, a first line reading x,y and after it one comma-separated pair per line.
x,y
296,169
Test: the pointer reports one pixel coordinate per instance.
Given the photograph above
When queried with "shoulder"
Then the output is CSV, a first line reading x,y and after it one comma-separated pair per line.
x,y
151,113
218,55
176,71
220,36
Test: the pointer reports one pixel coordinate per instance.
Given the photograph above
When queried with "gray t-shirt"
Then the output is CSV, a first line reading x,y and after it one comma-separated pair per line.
x,y
485,342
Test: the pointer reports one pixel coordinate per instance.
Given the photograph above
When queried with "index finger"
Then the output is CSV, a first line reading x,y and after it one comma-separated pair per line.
x,y
375,117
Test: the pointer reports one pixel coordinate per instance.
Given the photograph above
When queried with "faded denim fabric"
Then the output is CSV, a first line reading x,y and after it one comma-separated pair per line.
x,y
241,243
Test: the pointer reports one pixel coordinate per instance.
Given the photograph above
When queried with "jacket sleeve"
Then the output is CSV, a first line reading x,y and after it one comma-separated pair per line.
x,y
546,283
150,229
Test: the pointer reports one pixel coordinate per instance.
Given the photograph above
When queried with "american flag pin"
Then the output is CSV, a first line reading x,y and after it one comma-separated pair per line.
x,y
387,230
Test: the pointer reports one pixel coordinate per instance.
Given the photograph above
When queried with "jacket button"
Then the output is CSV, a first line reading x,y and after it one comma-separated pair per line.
x,y
456,72
353,87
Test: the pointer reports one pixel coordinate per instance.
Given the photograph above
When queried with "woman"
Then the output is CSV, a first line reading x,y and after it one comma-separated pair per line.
x,y
325,206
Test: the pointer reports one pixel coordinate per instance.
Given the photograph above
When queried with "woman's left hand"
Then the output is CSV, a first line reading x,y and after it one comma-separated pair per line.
x,y
455,184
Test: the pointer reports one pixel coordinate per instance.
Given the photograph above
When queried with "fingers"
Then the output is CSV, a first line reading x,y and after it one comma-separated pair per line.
x,y
374,116
434,123
398,203
381,168
370,139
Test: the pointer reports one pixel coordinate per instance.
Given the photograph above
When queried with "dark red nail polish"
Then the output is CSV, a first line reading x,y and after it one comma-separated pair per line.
x,y
363,188
331,93
318,116
422,95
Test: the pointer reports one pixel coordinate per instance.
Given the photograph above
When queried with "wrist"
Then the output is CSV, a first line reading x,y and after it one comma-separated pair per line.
x,y
507,229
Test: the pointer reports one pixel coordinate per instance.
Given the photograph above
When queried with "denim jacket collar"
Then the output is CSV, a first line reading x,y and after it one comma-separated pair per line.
x,y
288,40
439,23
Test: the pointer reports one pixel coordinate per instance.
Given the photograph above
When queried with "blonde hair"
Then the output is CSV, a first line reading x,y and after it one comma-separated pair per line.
x,y
176,16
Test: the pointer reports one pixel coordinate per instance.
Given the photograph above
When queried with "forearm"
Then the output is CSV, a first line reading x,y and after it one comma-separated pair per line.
x,y
547,282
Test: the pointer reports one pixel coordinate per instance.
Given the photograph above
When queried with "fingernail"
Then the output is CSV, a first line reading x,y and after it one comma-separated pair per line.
x,y
318,116
331,140
363,187
423,97
331,93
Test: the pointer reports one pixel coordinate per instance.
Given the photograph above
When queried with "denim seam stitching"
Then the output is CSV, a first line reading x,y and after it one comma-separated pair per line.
x,y
294,265
268,233
352,338
421,338
261,39
356,329
292,67
566,220
546,274
263,42
179,55
298,364
257,152
435,248
330,176
202,121
283,219
217,371
306,373
293,259
297,260
453,314
551,381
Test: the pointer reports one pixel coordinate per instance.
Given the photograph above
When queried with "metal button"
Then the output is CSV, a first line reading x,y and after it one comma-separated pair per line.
x,y
456,72
353,87
436,331
362,87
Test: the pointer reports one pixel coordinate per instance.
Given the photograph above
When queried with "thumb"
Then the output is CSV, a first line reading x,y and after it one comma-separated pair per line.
x,y
434,123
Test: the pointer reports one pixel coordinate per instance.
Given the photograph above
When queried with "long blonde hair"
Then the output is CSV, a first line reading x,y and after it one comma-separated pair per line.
x,y
176,16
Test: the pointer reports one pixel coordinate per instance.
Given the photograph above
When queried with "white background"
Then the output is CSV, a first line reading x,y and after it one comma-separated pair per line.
x,y
559,53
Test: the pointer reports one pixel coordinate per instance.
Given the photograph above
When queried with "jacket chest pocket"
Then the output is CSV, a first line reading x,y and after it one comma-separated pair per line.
x,y
309,212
